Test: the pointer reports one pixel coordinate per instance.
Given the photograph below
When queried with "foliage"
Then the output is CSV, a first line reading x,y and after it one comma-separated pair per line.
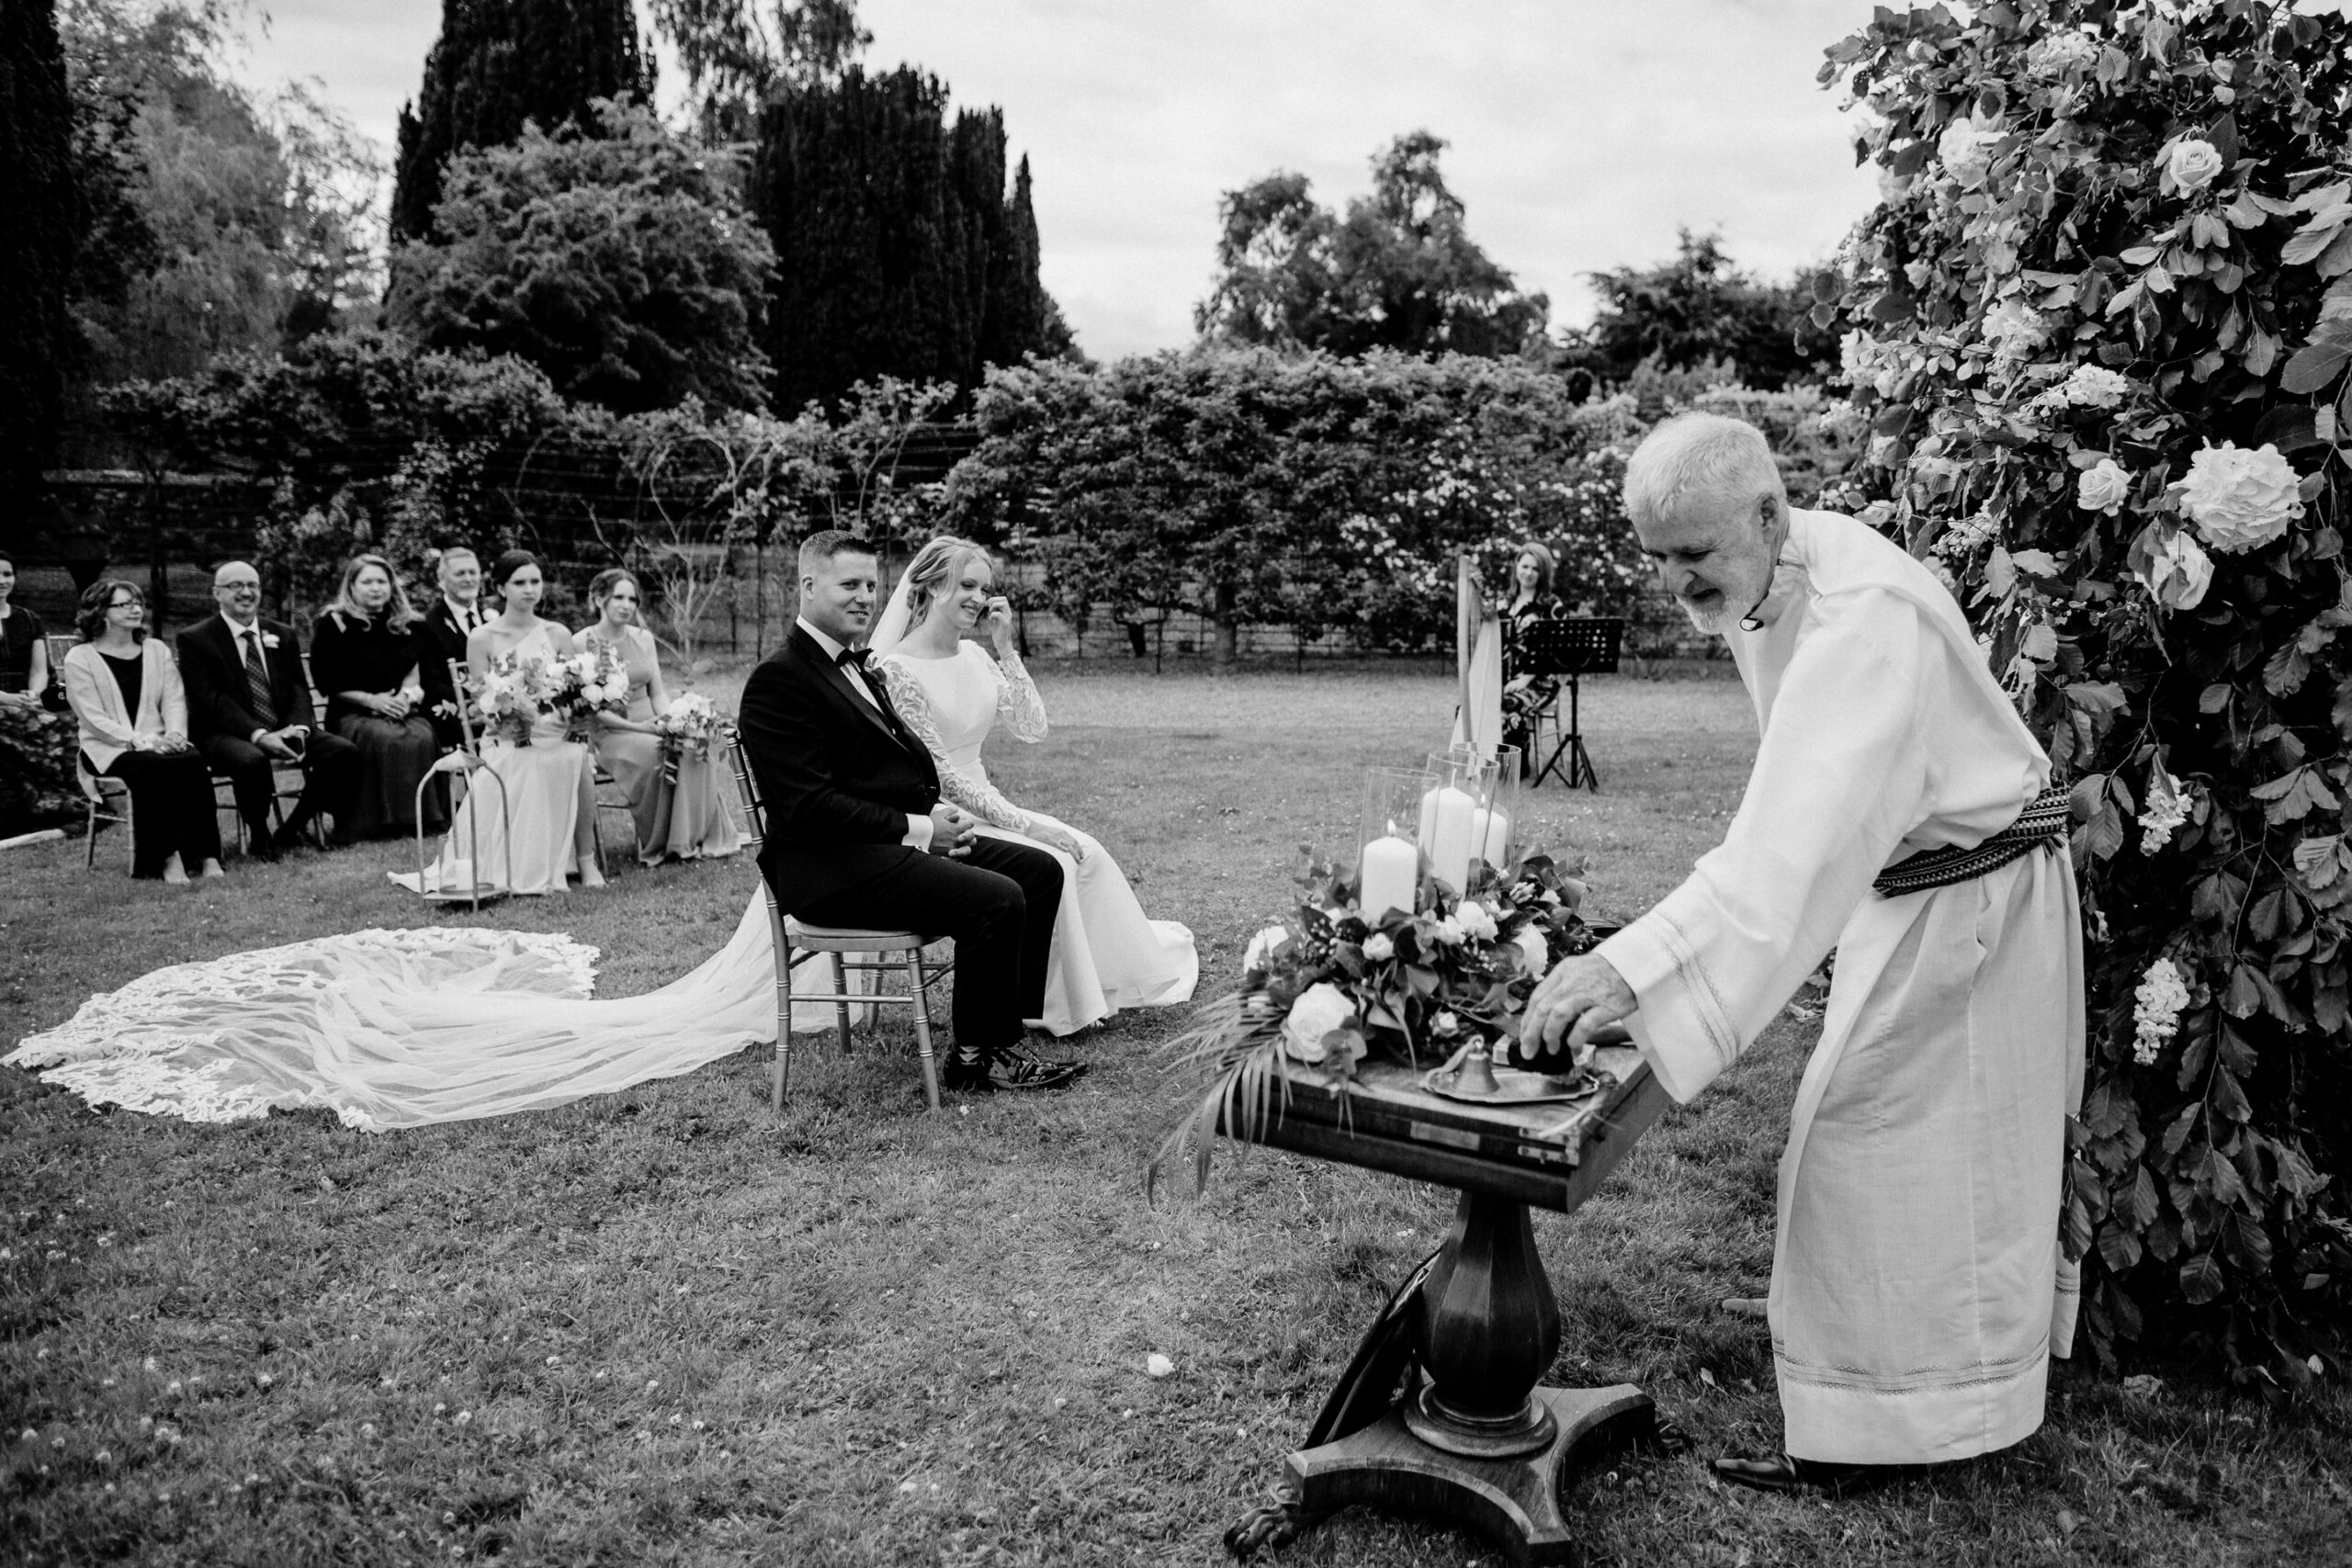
x,y
2102,321
1700,308
738,55
619,263
1399,272
900,252
500,65
39,193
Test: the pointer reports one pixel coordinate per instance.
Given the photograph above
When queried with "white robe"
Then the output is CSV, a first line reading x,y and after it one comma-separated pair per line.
x,y
1919,1289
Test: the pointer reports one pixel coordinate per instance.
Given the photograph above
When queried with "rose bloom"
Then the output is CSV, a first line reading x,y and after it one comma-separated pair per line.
x,y
1474,919
2192,163
2014,328
2096,387
1378,948
2239,499
1965,148
2104,487
2179,573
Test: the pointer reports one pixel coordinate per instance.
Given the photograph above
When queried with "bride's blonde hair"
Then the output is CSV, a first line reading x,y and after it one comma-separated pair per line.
x,y
931,568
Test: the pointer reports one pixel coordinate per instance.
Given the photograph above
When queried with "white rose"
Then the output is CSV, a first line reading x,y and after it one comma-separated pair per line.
x,y
1378,948
2240,499
2179,573
2059,52
1320,1009
1965,148
2192,163
1448,931
2014,328
1534,952
2104,487
1893,187
2095,387
1474,919
1445,1024
1260,952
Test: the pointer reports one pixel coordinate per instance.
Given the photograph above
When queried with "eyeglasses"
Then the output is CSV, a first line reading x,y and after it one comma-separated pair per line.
x,y
128,604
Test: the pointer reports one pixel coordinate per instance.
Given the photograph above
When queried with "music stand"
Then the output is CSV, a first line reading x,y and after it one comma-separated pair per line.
x,y
1570,649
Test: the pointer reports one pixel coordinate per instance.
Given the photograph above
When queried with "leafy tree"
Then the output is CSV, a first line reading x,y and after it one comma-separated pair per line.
x,y
620,263
2101,325
499,65
898,250
39,190
738,56
1700,308
1399,272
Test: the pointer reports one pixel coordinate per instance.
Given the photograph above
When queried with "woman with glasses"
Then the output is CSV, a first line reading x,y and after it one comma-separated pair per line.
x,y
126,692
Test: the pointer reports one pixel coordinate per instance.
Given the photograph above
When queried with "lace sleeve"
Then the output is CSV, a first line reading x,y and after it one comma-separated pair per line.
x,y
913,706
1018,706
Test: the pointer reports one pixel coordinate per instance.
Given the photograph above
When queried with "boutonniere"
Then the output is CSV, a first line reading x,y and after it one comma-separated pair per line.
x,y
269,639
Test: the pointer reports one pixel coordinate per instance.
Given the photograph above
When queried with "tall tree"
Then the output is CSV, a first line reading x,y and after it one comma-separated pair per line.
x,y
898,252
44,200
1700,308
738,54
1399,272
498,65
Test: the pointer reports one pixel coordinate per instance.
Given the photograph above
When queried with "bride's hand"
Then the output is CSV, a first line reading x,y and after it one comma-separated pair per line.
x,y
997,618
1059,838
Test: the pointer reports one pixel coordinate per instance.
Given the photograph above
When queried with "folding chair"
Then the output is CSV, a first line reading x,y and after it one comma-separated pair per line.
x,y
1569,649
796,942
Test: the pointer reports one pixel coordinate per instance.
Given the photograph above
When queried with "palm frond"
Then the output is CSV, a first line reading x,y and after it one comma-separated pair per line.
x,y
1239,1054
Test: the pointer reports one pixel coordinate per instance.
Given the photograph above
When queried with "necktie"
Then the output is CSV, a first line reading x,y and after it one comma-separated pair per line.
x,y
258,680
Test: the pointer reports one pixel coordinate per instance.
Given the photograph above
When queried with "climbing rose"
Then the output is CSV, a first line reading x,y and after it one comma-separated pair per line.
x,y
2103,487
2240,499
2192,163
1966,149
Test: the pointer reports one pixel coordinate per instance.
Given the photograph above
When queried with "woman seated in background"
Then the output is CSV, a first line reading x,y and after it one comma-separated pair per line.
x,y
37,784
672,791
124,691
1527,696
364,655
1106,954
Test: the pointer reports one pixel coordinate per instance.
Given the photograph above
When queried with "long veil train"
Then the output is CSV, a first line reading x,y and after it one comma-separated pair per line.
x,y
400,1028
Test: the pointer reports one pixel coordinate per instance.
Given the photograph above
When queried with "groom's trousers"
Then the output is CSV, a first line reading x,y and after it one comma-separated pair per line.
x,y
999,905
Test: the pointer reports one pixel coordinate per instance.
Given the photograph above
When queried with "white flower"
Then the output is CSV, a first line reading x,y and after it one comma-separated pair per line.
x,y
1378,948
1158,1366
2060,52
2104,487
1320,1009
1445,1024
2178,571
2166,809
1534,950
1447,930
1893,187
1966,149
2014,328
2095,387
2191,163
1967,535
1262,947
2157,1010
1476,920
2240,499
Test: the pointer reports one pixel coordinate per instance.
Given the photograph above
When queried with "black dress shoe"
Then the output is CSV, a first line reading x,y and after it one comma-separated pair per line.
x,y
1012,1072
966,1078
1782,1473
1038,1072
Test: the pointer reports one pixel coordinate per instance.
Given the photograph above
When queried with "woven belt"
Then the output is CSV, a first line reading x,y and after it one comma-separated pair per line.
x,y
2044,821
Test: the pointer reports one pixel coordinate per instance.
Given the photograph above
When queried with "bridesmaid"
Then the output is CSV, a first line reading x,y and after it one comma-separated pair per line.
x,y
682,814
365,656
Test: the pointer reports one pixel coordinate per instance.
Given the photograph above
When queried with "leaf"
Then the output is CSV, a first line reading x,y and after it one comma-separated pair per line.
x,y
2104,835
2000,573
2039,643
2317,861
2320,360
2285,670
2200,1278
2102,698
2228,1098
2252,1243
2310,239
2289,427
2040,563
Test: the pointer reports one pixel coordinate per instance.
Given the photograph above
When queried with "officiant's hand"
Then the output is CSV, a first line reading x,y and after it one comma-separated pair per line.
x,y
1575,998
951,832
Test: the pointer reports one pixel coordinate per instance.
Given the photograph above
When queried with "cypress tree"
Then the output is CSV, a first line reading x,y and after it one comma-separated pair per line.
x,y
39,195
498,64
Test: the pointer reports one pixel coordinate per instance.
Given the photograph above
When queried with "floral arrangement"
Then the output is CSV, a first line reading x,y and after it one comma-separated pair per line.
x,y
1329,988
689,725
591,682
508,693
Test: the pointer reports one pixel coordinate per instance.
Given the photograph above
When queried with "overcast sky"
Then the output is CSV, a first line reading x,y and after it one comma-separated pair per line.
x,y
1582,131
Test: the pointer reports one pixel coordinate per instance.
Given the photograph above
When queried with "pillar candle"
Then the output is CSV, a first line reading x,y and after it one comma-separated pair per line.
x,y
1449,818
1496,840
1391,868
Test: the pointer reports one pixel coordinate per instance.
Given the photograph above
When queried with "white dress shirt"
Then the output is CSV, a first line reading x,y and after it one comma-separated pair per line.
x,y
918,828
467,616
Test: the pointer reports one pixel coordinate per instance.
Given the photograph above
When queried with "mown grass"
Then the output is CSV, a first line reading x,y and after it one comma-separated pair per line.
x,y
664,1326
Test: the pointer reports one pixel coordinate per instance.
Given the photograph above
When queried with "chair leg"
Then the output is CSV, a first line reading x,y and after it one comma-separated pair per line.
x,y
923,1026
780,1079
90,839
842,972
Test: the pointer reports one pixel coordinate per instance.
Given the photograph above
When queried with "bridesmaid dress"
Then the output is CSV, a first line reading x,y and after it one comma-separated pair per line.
x,y
550,798
677,813
1107,955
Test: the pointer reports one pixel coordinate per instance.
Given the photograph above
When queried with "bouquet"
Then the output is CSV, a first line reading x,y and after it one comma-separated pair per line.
x,y
508,695
689,725
1327,988
591,682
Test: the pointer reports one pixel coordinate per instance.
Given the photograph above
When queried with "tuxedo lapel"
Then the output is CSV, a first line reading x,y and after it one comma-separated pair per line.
x,y
877,712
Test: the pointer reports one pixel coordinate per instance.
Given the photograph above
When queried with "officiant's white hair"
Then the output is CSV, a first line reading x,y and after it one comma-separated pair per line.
x,y
1701,458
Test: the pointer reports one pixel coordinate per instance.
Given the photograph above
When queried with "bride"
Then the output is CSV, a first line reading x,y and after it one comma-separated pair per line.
x,y
1106,954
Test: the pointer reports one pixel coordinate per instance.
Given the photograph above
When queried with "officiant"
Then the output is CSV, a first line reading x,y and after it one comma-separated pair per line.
x,y
1898,812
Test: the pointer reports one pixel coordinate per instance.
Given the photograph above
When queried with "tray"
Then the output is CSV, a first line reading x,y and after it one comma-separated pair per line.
x,y
1514,1085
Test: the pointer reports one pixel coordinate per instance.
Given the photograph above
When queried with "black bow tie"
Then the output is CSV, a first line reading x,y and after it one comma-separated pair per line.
x,y
858,659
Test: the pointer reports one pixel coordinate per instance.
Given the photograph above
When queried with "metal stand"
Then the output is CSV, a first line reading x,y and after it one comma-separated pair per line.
x,y
465,766
1569,649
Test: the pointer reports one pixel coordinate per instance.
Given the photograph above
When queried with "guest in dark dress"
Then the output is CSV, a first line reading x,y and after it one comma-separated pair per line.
x,y
125,689
1526,696
37,785
366,651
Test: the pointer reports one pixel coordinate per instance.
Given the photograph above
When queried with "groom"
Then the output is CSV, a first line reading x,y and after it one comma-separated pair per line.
x,y
857,835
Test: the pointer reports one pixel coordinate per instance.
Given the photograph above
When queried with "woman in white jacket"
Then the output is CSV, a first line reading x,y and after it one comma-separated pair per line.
x,y
126,692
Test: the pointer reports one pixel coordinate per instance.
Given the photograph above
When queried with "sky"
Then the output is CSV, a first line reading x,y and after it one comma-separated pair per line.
x,y
1582,132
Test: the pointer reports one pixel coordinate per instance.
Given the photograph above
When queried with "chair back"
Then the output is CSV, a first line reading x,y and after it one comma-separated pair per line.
x,y
57,648
747,791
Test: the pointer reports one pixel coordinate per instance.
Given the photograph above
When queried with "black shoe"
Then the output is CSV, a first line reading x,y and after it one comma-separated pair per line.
x,y
1019,1060
1015,1072
1781,1473
966,1078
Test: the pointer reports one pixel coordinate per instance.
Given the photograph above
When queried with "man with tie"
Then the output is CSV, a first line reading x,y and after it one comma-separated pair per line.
x,y
249,712
447,625
857,835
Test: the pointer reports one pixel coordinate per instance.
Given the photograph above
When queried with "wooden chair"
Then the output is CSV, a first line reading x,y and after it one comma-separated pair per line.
x,y
464,763
796,942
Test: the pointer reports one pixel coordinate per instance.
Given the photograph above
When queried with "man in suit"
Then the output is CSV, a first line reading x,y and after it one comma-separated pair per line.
x,y
446,625
858,836
249,712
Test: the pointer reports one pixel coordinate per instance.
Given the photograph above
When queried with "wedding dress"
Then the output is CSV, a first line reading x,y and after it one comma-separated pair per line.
x,y
1106,953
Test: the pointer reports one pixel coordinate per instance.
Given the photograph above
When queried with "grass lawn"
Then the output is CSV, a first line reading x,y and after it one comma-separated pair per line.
x,y
665,1326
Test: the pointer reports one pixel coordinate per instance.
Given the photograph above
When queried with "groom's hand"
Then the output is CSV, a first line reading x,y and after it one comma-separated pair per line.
x,y
951,832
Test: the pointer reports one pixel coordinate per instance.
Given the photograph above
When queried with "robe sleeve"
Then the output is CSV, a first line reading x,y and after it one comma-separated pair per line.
x,y
913,705
1018,706
1840,779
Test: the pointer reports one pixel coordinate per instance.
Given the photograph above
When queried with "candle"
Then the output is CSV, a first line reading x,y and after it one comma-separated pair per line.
x,y
1391,868
1449,818
1496,842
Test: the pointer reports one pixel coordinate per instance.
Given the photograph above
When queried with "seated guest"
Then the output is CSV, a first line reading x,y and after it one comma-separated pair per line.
x,y
365,652
677,807
126,693
1527,696
448,622
251,705
36,745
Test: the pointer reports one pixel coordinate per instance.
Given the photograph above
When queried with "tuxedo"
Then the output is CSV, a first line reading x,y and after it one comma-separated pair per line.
x,y
847,790
225,713
440,639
